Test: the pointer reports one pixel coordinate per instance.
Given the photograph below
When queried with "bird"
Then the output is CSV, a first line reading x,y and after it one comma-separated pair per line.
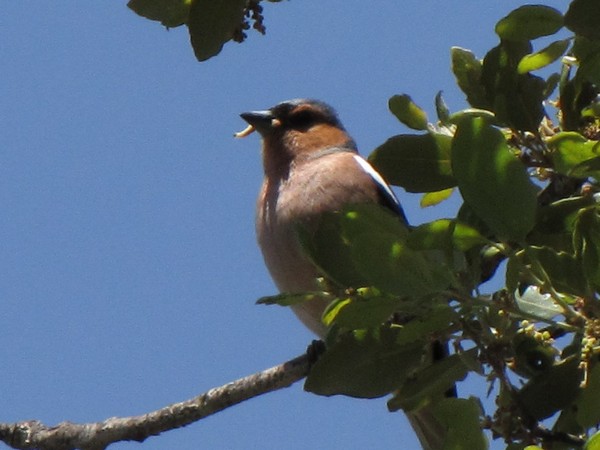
x,y
312,167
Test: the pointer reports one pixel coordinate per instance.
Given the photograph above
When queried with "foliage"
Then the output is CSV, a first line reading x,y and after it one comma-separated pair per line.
x,y
526,165
525,160
211,24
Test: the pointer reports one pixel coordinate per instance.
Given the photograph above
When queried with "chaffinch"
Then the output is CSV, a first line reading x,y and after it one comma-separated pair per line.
x,y
312,166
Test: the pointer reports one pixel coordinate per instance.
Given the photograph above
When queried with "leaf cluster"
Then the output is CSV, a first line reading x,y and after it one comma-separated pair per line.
x,y
524,158
211,24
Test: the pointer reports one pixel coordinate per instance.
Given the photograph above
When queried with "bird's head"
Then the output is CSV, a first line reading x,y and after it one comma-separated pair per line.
x,y
295,129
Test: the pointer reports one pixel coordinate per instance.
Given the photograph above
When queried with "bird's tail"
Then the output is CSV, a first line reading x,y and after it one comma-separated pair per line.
x,y
430,432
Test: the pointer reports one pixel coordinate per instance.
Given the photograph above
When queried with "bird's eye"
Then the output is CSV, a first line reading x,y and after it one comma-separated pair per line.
x,y
302,119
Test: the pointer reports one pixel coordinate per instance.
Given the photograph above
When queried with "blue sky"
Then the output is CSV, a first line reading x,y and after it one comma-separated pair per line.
x,y
128,258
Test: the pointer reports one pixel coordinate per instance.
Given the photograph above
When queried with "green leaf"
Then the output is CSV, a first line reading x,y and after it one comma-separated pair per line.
x,y
435,198
580,91
467,215
586,241
587,168
551,84
445,234
418,163
212,24
365,245
391,265
555,223
367,309
527,99
287,299
583,17
587,52
593,443
544,57
584,48
431,382
592,110
408,112
516,99
329,251
458,116
446,242
570,150
436,321
170,13
462,420
587,73
587,411
349,365
492,180
533,302
563,269
529,22
467,70
562,381
371,218
559,216
532,357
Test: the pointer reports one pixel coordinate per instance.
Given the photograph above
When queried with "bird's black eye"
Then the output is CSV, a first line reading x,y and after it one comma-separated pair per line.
x,y
302,119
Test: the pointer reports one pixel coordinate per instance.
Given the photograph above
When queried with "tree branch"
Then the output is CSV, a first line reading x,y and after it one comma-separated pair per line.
x,y
97,436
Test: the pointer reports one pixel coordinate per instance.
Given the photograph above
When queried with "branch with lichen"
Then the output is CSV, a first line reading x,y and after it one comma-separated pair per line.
x,y
97,436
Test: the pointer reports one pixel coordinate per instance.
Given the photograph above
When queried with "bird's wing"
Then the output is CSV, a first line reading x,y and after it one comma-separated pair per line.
x,y
388,197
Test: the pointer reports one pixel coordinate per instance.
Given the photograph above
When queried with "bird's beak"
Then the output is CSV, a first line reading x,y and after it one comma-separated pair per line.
x,y
261,121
